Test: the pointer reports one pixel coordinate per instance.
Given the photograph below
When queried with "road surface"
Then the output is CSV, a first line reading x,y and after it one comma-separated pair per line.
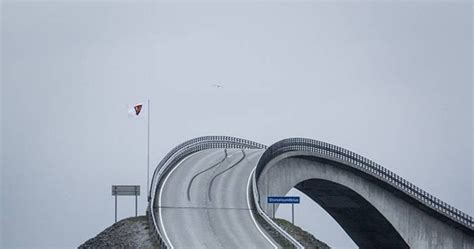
x,y
204,202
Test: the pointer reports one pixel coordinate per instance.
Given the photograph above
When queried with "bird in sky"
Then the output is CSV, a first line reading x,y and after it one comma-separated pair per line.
x,y
218,86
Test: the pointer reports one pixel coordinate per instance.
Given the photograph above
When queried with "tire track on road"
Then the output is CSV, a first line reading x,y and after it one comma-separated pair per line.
x,y
203,171
222,172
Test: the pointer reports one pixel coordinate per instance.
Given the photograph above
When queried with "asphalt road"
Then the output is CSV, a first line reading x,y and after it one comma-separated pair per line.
x,y
204,202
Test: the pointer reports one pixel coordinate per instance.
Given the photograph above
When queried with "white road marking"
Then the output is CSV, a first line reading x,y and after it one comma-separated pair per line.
x,y
251,213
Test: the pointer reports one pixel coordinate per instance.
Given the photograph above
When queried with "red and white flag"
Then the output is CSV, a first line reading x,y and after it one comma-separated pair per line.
x,y
138,110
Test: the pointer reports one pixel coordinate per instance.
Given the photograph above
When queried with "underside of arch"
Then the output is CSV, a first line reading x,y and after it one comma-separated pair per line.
x,y
362,222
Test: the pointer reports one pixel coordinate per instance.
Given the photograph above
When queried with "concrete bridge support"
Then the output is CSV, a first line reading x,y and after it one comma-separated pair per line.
x,y
374,214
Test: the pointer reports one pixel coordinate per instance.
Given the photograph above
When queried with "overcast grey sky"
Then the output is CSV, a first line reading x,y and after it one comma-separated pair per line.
x,y
391,81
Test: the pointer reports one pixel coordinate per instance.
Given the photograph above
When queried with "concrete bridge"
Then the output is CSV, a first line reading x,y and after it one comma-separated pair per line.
x,y
376,208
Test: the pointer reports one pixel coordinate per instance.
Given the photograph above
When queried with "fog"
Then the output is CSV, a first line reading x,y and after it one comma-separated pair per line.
x,y
391,81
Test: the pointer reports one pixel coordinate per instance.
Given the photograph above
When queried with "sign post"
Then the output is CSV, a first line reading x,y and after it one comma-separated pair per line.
x,y
284,200
126,190
292,213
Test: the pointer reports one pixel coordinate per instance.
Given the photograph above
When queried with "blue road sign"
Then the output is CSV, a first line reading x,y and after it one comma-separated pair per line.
x,y
283,199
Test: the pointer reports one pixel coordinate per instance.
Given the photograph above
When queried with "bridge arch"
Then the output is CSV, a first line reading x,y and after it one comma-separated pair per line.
x,y
374,206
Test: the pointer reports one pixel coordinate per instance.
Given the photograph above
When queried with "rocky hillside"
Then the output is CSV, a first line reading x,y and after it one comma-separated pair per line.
x,y
135,233
128,233
305,238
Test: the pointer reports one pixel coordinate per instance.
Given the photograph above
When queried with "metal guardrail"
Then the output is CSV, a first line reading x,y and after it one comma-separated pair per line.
x,y
179,153
367,166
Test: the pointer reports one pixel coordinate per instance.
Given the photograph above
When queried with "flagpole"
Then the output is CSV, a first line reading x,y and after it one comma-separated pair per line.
x,y
148,155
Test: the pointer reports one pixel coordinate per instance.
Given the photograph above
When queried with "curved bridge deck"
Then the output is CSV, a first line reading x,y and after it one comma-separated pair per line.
x,y
205,202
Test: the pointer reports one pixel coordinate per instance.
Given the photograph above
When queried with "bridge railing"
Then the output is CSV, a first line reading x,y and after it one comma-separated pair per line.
x,y
179,153
354,160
